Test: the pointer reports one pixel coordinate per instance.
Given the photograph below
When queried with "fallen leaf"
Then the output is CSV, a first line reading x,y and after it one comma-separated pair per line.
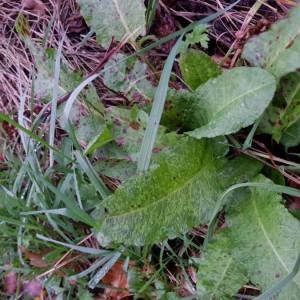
x,y
116,278
34,6
36,259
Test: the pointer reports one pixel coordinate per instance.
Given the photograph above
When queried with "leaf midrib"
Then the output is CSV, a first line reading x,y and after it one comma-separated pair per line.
x,y
230,260
122,18
216,117
269,242
236,99
181,187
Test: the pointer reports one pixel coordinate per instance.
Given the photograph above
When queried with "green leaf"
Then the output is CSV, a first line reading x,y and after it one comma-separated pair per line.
x,y
263,237
197,67
219,275
270,236
290,114
198,35
89,127
291,137
178,192
229,102
99,140
114,19
281,116
127,128
166,200
278,49
130,77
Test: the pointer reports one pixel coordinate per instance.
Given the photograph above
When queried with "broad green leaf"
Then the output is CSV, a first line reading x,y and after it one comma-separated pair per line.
x,y
278,49
197,67
178,192
263,237
172,197
114,18
229,102
270,236
220,276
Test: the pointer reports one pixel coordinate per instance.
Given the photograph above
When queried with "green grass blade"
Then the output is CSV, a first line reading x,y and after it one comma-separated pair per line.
x,y
91,173
71,205
156,111
87,250
57,211
151,11
248,141
5,118
54,100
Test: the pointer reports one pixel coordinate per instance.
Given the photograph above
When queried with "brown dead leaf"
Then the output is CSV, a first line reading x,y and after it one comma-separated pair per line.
x,y
34,6
36,259
116,278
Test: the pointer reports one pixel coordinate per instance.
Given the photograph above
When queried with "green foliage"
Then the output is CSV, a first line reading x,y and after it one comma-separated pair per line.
x,y
229,102
282,117
197,35
114,19
291,137
278,49
177,187
262,237
178,192
127,127
220,275
189,170
128,76
197,67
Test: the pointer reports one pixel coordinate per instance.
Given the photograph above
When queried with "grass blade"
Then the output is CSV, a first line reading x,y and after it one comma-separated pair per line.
x,y
5,118
156,111
93,176
103,271
87,250
54,100
98,263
